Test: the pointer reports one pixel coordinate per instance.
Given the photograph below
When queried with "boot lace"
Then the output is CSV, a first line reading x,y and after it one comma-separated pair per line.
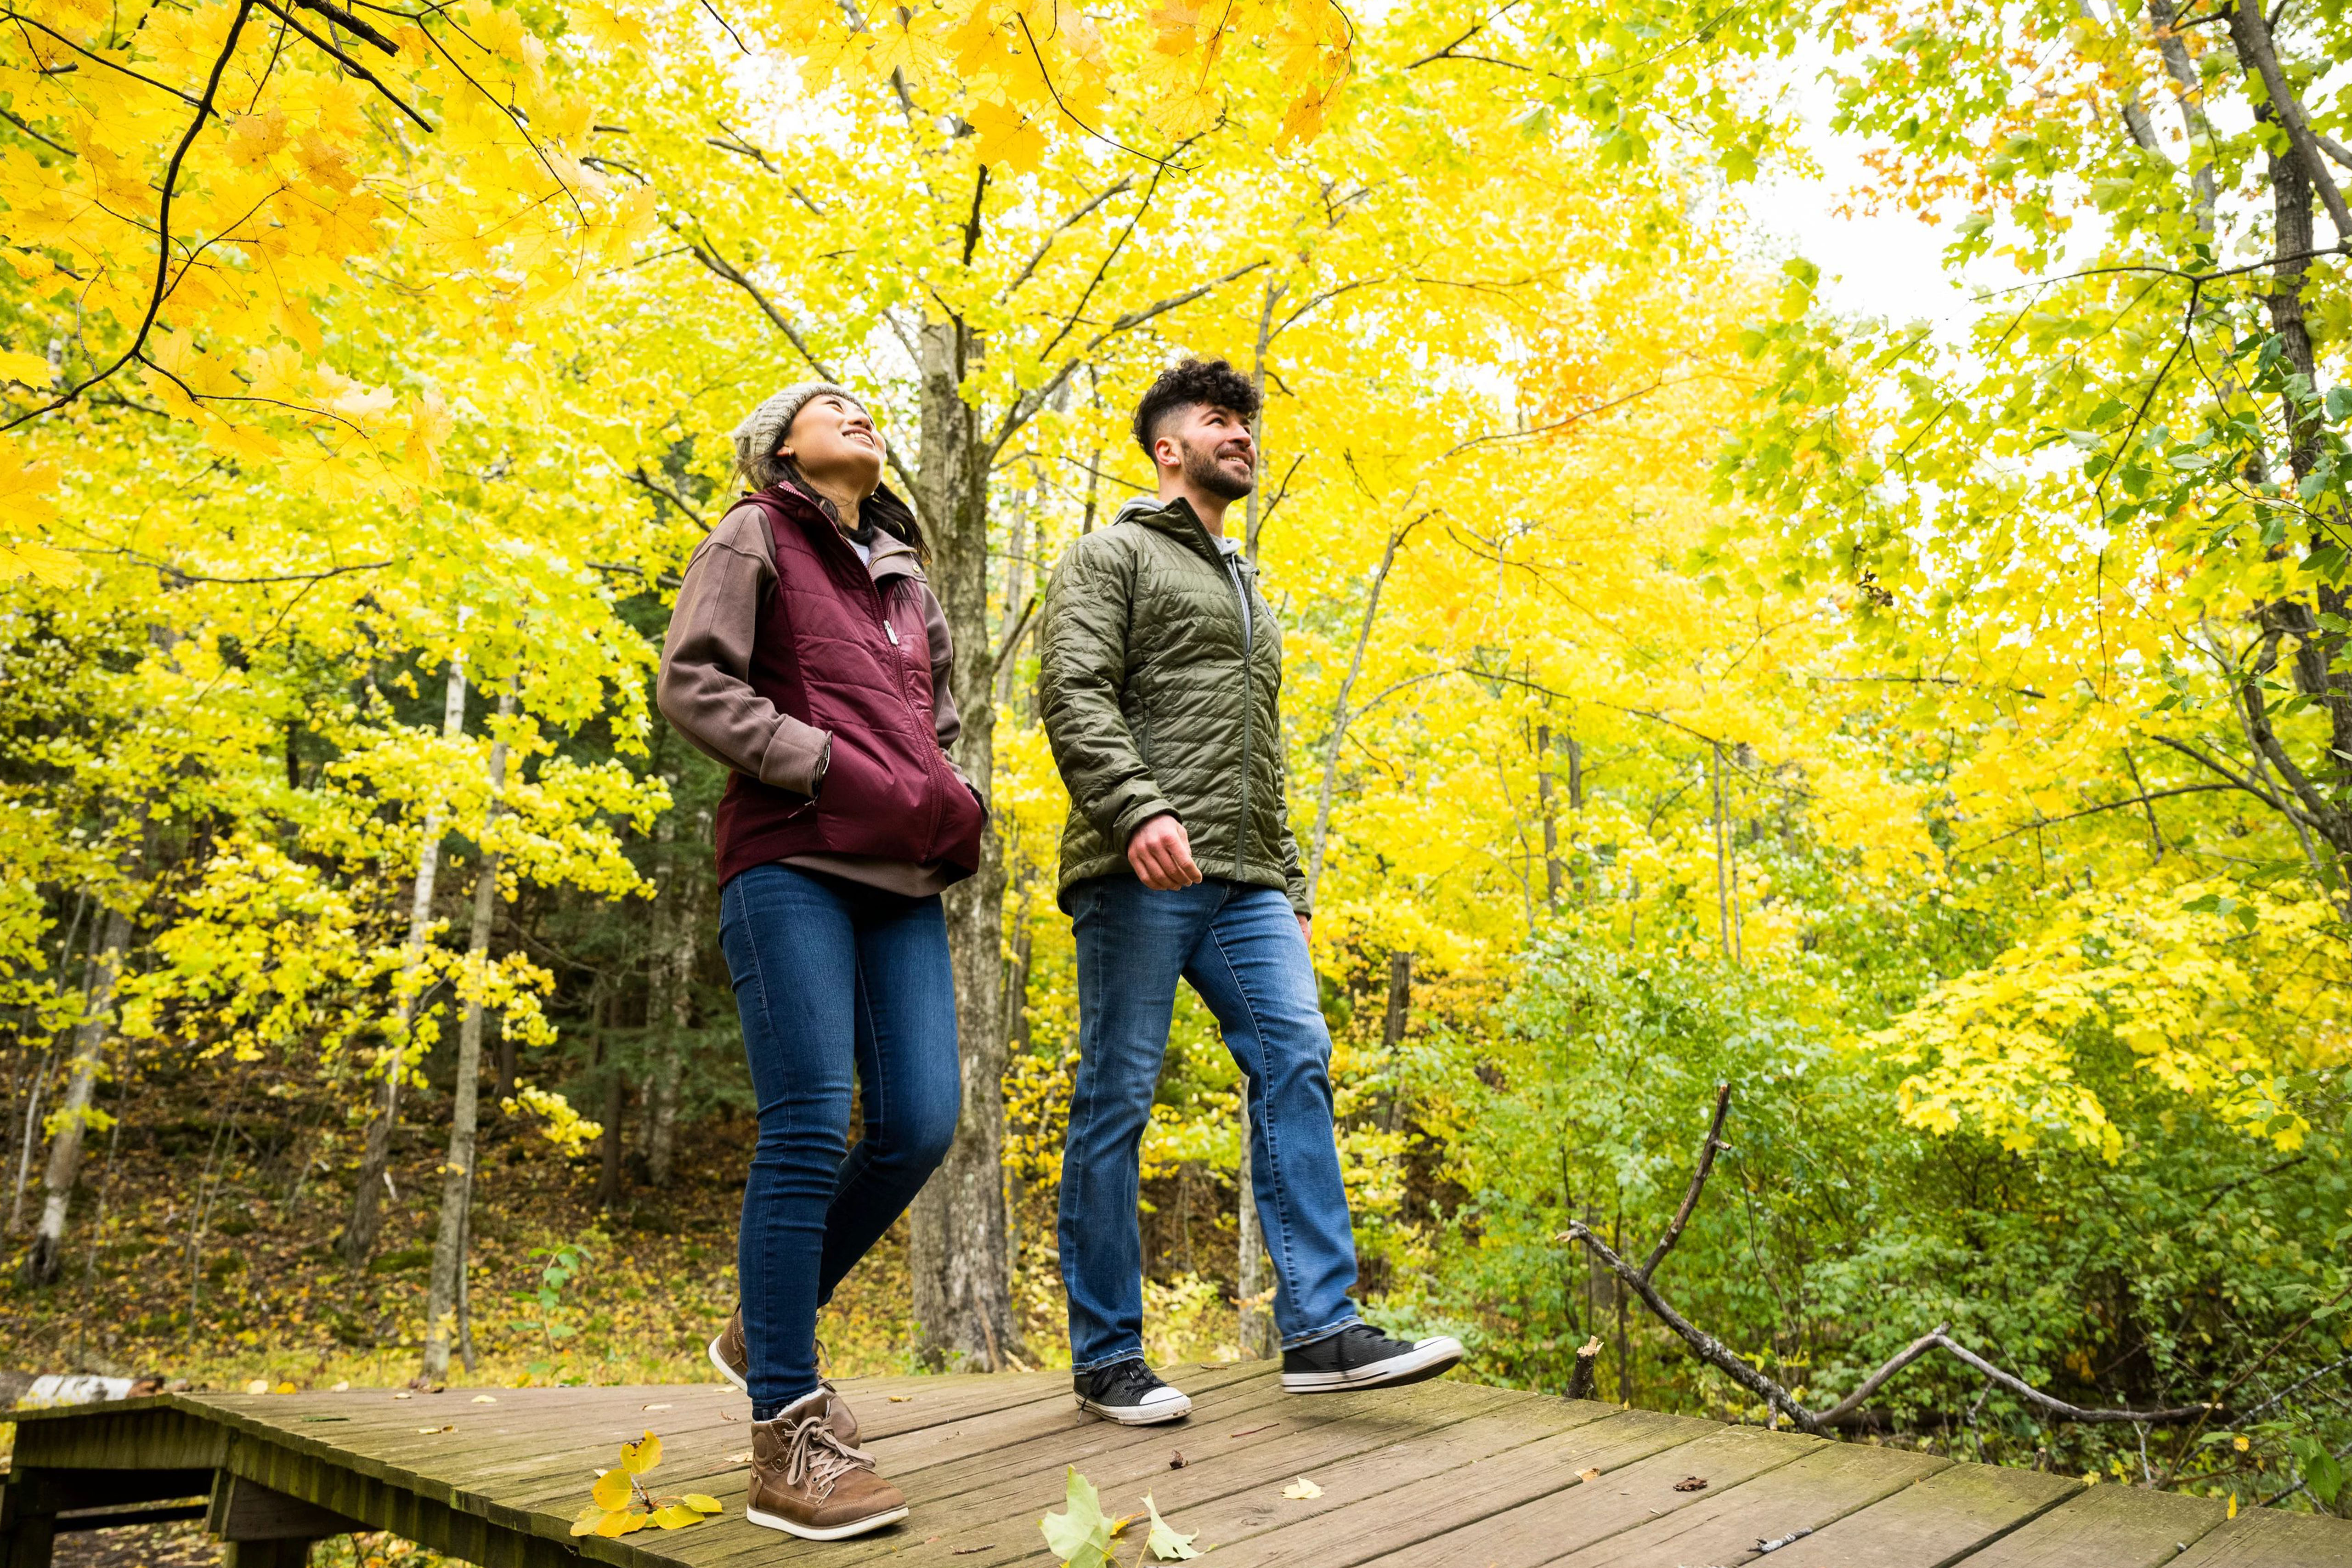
x,y
814,1456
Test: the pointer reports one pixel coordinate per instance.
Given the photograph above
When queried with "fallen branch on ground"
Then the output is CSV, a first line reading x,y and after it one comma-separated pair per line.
x,y
1717,1354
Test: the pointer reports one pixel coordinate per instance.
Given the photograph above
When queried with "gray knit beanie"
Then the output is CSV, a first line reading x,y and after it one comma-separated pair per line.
x,y
762,430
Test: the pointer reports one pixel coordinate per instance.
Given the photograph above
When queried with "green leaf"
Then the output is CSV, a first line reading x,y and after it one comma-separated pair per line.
x,y
1169,1545
1080,1535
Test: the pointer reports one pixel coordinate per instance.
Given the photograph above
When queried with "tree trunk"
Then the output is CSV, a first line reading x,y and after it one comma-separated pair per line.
x,y
956,1254
1257,1329
29,1135
1400,1008
608,1150
671,1007
367,1217
447,1282
42,1259
1550,817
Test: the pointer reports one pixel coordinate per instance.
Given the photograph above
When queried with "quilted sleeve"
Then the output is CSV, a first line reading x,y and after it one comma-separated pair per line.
x,y
1083,673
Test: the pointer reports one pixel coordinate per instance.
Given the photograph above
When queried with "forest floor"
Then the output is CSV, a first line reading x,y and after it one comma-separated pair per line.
x,y
213,1260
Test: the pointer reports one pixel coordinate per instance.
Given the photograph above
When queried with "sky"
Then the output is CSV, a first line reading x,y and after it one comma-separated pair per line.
x,y
1883,264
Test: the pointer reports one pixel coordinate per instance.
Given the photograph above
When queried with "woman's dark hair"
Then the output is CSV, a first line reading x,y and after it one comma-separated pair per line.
x,y
894,516
1194,383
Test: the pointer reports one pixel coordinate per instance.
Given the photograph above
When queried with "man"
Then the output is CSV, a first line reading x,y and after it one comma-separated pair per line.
x,y
1162,666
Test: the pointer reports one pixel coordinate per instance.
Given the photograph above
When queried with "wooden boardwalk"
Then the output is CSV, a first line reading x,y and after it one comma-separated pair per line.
x,y
1445,1473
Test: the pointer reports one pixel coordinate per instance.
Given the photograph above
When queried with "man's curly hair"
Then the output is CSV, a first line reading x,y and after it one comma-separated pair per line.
x,y
1193,385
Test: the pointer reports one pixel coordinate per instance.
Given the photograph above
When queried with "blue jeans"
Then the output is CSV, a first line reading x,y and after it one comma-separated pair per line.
x,y
831,978
1240,948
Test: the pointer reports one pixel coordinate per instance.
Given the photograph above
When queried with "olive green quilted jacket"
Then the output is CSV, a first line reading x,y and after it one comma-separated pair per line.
x,y
1160,694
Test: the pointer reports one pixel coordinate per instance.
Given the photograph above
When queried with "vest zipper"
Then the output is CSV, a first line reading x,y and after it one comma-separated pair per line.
x,y
939,804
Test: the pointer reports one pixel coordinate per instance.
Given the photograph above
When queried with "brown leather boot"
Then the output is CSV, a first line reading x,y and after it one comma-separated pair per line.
x,y
732,1357
807,1481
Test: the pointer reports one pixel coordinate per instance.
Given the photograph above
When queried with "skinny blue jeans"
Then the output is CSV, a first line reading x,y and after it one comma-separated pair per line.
x,y
830,979
1239,946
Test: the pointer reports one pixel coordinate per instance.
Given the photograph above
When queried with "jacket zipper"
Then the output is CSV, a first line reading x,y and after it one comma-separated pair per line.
x,y
1249,641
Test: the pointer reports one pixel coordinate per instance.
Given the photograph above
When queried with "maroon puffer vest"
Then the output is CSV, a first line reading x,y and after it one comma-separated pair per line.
x,y
838,650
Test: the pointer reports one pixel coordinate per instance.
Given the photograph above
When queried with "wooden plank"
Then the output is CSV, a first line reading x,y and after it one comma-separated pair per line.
x,y
2109,1527
246,1511
154,1433
986,1486
2266,1537
998,1526
1585,1511
1725,1526
1941,1519
989,1446
1399,1497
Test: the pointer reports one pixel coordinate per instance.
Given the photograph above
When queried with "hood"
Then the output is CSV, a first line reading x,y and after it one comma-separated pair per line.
x,y
1172,517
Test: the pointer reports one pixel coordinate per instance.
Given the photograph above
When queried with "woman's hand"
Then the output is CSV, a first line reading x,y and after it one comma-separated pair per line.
x,y
1161,854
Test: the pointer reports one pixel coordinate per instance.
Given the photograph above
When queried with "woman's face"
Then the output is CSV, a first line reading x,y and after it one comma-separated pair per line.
x,y
835,444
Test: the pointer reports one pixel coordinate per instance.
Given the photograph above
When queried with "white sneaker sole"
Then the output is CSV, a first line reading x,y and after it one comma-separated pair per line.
x,y
730,1374
1140,1415
1428,1359
837,1532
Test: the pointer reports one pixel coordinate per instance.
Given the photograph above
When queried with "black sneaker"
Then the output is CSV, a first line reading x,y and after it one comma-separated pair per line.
x,y
1129,1393
1360,1356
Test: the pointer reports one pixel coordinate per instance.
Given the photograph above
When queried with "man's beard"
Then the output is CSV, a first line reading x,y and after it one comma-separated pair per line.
x,y
1201,469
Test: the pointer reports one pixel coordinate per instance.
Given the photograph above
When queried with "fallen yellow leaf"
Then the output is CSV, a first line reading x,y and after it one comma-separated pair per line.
x,y
486,1399
612,1489
641,1455
1588,1474
1302,1488
704,1501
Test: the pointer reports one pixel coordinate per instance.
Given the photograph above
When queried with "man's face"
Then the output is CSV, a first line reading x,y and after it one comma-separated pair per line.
x,y
1212,448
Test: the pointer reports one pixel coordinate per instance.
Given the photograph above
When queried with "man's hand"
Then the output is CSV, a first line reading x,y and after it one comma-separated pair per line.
x,y
1306,929
1161,854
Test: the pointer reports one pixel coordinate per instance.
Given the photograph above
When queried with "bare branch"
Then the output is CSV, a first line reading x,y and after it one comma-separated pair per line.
x,y
2129,800
719,266
646,483
1119,187
2236,779
1578,417
161,285
343,18
1012,643
1712,1350
1707,1153
1717,1354
346,61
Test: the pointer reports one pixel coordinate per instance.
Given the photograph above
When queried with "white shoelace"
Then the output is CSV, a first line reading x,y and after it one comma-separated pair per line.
x,y
814,1454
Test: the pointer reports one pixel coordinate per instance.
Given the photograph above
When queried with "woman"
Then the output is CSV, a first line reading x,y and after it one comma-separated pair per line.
x,y
808,654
